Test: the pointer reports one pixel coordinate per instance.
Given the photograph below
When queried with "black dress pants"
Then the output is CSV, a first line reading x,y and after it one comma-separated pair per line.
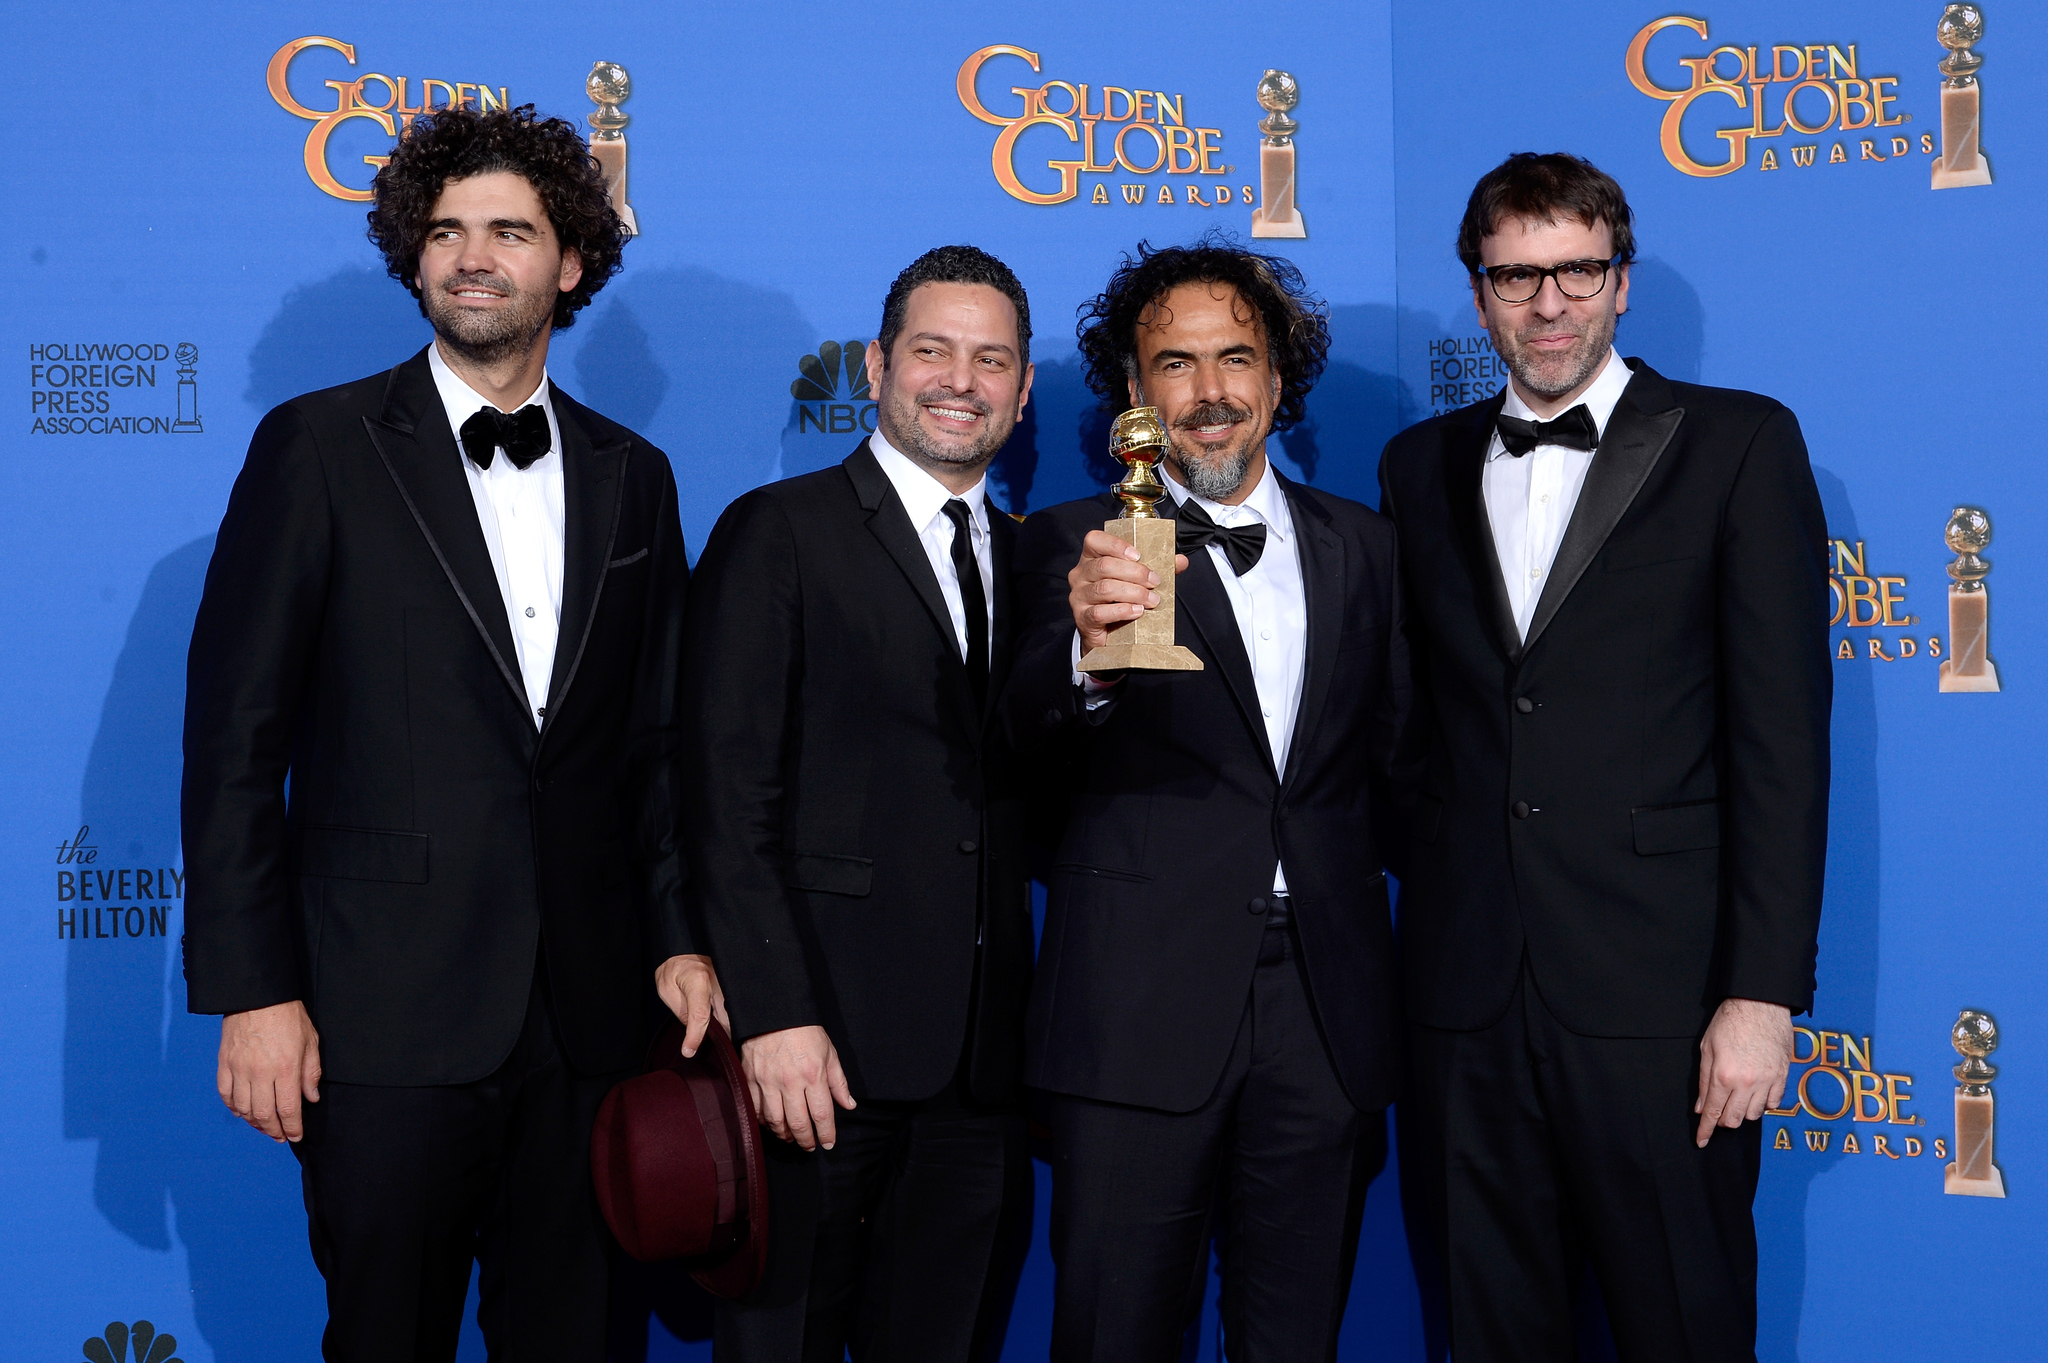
x,y
406,1187
1278,1151
1539,1152
901,1242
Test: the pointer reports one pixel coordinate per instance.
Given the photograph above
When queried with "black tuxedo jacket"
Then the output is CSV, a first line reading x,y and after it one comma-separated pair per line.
x,y
1177,817
852,816
1636,796
435,844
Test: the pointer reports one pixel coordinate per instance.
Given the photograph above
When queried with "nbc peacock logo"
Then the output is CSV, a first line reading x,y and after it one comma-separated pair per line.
x,y
113,1344
831,390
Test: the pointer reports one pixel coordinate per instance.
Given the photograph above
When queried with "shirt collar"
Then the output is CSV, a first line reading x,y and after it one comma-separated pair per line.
x,y
1267,502
924,496
464,402
1599,399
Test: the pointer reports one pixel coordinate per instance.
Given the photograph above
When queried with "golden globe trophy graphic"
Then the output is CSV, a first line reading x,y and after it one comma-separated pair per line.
x,y
1962,160
1973,1174
1145,644
608,87
1277,215
188,388
1969,666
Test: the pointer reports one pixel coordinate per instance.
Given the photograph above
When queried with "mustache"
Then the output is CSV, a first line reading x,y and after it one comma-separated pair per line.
x,y
497,284
939,397
1218,413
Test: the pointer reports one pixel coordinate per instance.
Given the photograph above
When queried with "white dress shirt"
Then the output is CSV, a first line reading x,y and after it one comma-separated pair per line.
x,y
520,511
925,498
1529,500
1271,605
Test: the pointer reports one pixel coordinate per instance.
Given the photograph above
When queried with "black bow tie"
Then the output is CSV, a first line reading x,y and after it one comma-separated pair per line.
x,y
523,434
1574,430
1242,544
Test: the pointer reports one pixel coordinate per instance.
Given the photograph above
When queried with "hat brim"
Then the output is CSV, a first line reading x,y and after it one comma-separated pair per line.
x,y
740,1272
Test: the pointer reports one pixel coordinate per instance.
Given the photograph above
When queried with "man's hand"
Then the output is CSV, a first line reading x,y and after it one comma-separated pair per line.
x,y
1110,586
795,1078
1743,1060
269,1057
689,986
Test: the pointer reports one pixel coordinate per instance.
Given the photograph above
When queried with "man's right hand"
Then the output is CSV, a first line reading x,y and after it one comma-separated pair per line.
x,y
796,1078
1110,586
269,1059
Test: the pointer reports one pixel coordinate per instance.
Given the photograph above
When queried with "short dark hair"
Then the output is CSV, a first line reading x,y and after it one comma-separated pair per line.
x,y
1550,187
548,153
1296,322
954,265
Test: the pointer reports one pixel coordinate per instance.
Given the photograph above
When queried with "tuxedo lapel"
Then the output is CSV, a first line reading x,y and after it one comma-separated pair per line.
x,y
412,436
1465,449
1201,600
890,524
593,488
1323,580
1636,437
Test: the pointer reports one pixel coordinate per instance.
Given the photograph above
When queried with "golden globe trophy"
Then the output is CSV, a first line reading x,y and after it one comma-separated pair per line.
x,y
1973,1174
1145,644
1968,666
1277,215
188,389
1962,161
608,87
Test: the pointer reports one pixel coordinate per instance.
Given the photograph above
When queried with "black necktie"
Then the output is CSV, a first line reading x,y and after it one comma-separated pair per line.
x,y
523,434
1242,544
973,600
1574,430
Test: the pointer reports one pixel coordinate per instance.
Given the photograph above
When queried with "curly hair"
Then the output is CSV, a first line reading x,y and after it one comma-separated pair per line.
x,y
548,153
1552,187
1296,322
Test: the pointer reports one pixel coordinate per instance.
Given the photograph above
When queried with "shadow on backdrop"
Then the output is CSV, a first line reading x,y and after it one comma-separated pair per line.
x,y
138,1069
350,325
1665,322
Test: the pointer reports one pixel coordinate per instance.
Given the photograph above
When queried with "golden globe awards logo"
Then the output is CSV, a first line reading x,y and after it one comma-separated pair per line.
x,y
113,388
1789,91
372,97
1124,135
1838,1100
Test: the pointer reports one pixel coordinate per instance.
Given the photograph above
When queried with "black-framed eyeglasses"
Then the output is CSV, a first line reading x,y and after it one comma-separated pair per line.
x,y
1576,279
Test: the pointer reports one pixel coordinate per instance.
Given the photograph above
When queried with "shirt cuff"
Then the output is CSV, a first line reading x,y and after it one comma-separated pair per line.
x,y
1094,690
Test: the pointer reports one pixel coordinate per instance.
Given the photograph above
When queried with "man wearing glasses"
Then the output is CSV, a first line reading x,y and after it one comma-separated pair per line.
x,y
1618,603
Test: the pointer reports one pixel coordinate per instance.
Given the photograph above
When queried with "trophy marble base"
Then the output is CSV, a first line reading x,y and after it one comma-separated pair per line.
x,y
1278,217
1146,643
1954,1183
611,159
1979,174
1987,680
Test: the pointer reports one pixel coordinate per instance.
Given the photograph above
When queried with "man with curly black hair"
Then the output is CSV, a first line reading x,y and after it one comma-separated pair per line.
x,y
430,771
1214,1012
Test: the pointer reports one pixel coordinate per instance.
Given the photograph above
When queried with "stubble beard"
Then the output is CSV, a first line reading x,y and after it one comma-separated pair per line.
x,y
901,426
488,338
1219,474
1554,376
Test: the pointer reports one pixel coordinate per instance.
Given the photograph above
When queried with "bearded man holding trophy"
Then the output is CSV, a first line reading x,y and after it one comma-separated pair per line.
x,y
1214,1015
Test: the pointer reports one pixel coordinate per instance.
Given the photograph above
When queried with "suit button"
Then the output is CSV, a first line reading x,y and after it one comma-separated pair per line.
x,y
540,783
1524,704
1052,716
1521,809
1256,906
969,845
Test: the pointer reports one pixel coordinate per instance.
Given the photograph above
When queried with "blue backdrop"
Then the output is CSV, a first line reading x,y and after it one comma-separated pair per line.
x,y
187,255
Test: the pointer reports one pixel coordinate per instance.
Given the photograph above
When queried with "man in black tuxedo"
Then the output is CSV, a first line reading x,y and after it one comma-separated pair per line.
x,y
1617,589
463,657
855,839
1214,1012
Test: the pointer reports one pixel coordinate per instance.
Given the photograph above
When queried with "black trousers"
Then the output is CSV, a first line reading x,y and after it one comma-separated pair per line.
x,y
902,1242
1538,1153
1278,1151
406,1187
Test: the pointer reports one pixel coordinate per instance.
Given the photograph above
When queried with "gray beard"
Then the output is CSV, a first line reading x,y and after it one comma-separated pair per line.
x,y
1600,340
1215,479
488,340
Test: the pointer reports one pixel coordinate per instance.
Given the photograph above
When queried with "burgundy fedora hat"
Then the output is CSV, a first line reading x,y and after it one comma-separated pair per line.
x,y
676,1157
